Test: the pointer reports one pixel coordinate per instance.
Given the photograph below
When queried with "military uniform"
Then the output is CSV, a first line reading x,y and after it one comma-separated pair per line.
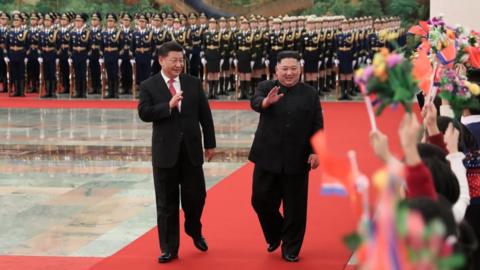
x,y
244,53
275,44
344,45
126,55
309,46
80,45
212,48
142,49
227,47
95,55
16,47
330,56
112,43
63,55
3,39
49,46
160,36
33,67
194,34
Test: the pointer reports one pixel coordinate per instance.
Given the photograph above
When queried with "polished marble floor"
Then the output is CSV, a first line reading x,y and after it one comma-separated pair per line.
x,y
78,182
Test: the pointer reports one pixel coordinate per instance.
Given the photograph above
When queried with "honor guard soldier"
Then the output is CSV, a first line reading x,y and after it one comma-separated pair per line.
x,y
344,45
212,44
319,29
275,44
263,26
80,43
290,39
33,67
4,28
194,34
180,36
142,49
330,33
227,46
244,54
160,36
259,52
63,53
111,45
232,23
374,42
49,48
16,47
310,51
95,53
126,54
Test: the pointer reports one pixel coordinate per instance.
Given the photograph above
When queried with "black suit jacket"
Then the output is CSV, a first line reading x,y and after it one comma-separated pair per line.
x,y
282,139
171,126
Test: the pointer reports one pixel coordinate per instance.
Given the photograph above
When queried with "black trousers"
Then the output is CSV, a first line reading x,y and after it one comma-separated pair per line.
x,y
269,191
189,181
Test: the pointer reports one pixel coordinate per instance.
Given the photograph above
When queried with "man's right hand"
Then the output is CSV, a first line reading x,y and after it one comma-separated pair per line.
x,y
272,97
175,100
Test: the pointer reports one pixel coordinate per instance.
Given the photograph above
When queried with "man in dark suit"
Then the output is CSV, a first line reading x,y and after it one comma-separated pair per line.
x,y
290,114
177,106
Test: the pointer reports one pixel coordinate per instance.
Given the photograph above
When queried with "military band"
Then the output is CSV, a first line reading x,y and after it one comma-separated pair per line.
x,y
110,56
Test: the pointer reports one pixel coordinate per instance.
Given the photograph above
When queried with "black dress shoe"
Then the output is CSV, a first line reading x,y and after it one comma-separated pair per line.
x,y
290,257
167,257
200,243
273,246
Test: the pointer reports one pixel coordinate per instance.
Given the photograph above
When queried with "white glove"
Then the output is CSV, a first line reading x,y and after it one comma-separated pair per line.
x,y
204,61
230,60
57,61
353,63
151,62
88,62
263,60
190,57
101,61
40,60
132,61
201,54
119,62
252,63
325,60
369,61
70,61
235,62
336,62
267,62
302,62
6,59
319,63
25,61
221,62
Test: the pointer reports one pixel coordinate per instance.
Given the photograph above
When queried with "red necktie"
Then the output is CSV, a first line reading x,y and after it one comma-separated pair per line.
x,y
171,88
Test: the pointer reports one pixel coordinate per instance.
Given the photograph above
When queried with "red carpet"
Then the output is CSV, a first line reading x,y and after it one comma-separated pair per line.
x,y
46,263
32,101
230,224
235,238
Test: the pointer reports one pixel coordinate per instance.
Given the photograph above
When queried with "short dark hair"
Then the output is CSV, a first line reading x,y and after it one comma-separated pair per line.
x,y
167,47
288,54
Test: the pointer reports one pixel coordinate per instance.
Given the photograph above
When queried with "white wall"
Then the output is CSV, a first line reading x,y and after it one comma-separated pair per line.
x,y
464,12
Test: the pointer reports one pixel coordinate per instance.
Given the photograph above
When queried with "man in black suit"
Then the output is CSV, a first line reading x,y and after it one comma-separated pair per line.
x,y
177,106
290,113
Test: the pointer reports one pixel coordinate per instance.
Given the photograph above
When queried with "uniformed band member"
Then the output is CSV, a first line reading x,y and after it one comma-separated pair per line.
x,y
80,45
226,52
112,43
160,36
49,43
344,43
275,44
